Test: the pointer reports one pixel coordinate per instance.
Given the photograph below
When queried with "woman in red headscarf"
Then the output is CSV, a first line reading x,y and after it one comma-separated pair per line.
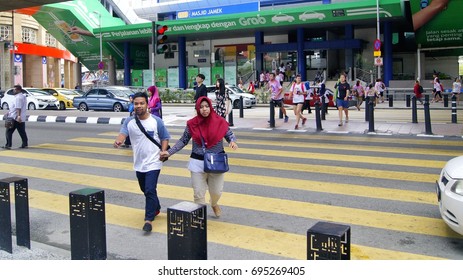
x,y
154,101
212,128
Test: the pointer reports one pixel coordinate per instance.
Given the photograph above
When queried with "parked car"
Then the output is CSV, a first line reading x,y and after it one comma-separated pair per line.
x,y
36,99
331,103
234,92
64,96
449,190
105,98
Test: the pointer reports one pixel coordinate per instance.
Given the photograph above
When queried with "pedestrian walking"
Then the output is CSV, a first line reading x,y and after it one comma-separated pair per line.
x,y
208,128
145,130
276,94
418,91
17,112
154,101
342,98
372,94
127,142
380,88
222,99
456,90
437,88
297,95
201,89
360,94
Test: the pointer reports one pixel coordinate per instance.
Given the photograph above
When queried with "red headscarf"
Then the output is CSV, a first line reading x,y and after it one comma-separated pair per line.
x,y
212,128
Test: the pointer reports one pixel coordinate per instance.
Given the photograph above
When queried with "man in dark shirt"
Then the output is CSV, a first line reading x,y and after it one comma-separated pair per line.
x,y
200,87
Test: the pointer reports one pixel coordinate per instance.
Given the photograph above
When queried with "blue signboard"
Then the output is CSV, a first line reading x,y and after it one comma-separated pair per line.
x,y
218,11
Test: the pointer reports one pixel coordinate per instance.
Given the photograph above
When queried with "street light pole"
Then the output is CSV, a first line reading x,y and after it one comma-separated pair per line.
x,y
12,49
101,38
378,35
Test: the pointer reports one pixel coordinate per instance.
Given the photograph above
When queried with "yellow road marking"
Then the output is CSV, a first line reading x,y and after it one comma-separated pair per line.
x,y
369,218
269,181
271,242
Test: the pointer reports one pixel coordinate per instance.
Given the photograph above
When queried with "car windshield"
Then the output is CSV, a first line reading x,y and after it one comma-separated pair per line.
x,y
38,92
235,89
121,93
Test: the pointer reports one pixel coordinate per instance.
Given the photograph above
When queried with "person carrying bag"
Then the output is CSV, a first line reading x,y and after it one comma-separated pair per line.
x,y
208,161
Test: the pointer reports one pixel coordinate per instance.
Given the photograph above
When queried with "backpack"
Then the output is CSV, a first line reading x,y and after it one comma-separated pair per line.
x,y
421,89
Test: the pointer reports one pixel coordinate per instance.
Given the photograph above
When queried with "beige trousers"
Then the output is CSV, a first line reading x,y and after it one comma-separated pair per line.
x,y
201,182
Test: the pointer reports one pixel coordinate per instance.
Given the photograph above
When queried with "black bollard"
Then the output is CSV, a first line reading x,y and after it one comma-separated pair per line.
x,y
371,114
407,100
21,195
88,224
391,101
317,116
454,109
324,107
230,118
414,110
427,115
6,239
241,107
328,241
446,100
272,114
367,108
187,231
281,111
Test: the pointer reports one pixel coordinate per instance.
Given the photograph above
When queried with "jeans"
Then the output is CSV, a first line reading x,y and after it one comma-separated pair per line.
x,y
148,182
21,126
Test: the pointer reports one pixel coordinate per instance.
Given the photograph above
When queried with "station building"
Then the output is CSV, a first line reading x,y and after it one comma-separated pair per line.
x,y
239,39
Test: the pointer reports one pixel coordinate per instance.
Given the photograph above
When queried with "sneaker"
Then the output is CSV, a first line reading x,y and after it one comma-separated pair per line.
x,y
147,227
304,120
23,147
157,213
296,126
339,124
347,120
286,118
6,147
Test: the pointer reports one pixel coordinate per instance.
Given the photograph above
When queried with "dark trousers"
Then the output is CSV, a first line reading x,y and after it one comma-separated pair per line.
x,y
21,127
148,182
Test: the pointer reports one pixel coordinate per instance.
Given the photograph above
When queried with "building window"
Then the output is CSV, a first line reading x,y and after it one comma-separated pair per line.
x,y
50,40
5,31
29,35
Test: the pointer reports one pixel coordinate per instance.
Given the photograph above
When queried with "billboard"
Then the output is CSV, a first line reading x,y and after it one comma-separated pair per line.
x,y
436,23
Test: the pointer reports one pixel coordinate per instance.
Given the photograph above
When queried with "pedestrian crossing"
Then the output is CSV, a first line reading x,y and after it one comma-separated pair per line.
x,y
278,186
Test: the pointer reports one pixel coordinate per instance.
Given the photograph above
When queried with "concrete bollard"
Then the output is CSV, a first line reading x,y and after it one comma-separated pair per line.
x,y
446,100
367,108
371,116
391,101
187,231
454,109
272,114
317,116
414,110
88,224
23,236
241,107
407,100
328,241
427,116
230,118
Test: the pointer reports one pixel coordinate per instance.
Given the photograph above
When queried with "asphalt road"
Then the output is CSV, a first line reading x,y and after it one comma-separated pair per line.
x,y
280,184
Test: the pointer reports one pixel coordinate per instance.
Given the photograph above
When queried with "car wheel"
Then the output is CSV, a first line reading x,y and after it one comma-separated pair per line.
x,y
117,107
5,106
62,106
83,107
236,104
31,106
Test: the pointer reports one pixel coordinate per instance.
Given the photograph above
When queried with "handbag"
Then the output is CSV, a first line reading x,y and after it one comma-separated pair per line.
x,y
214,162
140,126
9,122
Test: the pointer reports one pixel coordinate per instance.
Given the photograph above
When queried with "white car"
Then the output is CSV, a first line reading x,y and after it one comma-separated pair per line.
x,y
450,194
36,99
311,15
282,17
234,92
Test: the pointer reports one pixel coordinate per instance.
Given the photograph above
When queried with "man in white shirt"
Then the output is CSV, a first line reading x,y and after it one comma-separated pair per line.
x,y
146,154
17,111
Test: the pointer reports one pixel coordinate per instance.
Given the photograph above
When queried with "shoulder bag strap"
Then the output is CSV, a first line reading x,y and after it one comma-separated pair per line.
x,y
146,133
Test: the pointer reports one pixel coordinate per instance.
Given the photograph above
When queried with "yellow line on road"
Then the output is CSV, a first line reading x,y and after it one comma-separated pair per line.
x,y
317,137
330,156
369,218
269,181
279,164
271,242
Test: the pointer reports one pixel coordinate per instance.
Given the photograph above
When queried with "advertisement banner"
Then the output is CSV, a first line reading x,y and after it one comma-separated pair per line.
x,y
72,24
436,23
172,77
192,72
161,77
206,71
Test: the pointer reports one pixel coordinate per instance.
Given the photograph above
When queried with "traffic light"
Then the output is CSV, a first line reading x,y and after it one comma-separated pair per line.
x,y
161,39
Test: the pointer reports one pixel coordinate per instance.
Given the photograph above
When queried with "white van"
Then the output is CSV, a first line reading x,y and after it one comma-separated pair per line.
x,y
234,92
